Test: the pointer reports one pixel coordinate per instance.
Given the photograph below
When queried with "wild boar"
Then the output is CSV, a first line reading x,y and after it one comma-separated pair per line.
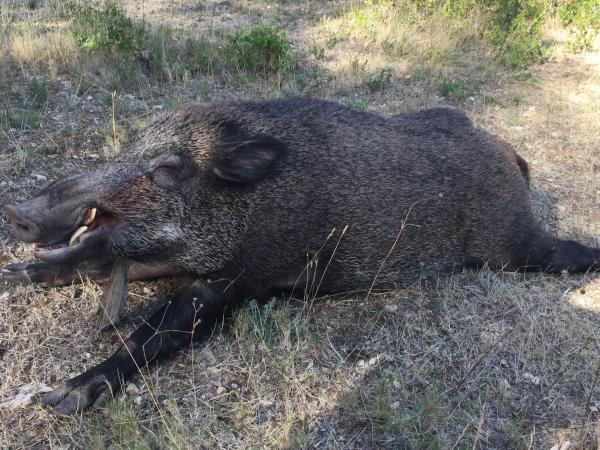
x,y
250,197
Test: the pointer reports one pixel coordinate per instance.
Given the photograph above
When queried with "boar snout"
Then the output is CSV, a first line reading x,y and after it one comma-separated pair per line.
x,y
23,227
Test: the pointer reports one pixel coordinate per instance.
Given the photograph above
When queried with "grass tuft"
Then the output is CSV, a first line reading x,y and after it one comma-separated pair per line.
x,y
271,324
37,92
455,89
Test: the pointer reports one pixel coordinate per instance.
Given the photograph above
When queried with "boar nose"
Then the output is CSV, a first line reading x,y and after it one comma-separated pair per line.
x,y
23,228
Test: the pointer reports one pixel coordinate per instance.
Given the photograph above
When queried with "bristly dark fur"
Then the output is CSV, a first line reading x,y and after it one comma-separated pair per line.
x,y
247,193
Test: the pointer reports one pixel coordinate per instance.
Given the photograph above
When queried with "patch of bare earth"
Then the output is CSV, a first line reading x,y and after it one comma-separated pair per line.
x,y
474,360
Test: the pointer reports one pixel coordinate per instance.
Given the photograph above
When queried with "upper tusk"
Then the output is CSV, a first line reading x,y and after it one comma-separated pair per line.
x,y
90,215
77,235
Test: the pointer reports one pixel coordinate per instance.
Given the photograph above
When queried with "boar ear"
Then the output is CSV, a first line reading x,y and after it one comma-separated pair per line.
x,y
250,161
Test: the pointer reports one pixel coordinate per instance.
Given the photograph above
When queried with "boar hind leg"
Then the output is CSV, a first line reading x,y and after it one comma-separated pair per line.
x,y
192,314
558,255
573,257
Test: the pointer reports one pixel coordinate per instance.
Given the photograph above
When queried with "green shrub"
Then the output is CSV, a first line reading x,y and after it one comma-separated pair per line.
x,y
106,30
513,26
130,49
379,80
458,8
583,18
261,49
516,32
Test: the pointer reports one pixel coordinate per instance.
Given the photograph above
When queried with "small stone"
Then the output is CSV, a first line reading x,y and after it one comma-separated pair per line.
x,y
375,360
360,363
234,386
132,389
564,445
531,378
220,390
391,308
38,177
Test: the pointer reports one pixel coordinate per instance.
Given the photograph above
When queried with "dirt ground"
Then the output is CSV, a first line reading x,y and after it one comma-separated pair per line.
x,y
481,359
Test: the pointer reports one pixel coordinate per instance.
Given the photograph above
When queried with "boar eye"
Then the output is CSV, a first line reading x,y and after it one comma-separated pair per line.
x,y
167,171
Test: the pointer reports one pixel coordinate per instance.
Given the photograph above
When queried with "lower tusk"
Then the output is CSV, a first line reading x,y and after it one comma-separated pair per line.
x,y
75,238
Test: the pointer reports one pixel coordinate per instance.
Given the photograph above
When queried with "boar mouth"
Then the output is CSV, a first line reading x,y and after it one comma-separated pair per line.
x,y
93,225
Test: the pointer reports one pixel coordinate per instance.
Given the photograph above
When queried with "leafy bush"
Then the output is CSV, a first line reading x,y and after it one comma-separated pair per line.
x,y
379,80
131,49
583,17
516,32
106,30
516,24
262,49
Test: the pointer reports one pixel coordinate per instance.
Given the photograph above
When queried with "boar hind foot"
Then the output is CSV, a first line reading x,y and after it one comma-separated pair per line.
x,y
192,314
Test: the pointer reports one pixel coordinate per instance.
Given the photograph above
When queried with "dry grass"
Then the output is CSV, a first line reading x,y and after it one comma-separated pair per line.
x,y
50,52
478,360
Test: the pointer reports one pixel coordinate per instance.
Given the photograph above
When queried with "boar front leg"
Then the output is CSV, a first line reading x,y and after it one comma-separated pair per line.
x,y
51,274
190,315
48,274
